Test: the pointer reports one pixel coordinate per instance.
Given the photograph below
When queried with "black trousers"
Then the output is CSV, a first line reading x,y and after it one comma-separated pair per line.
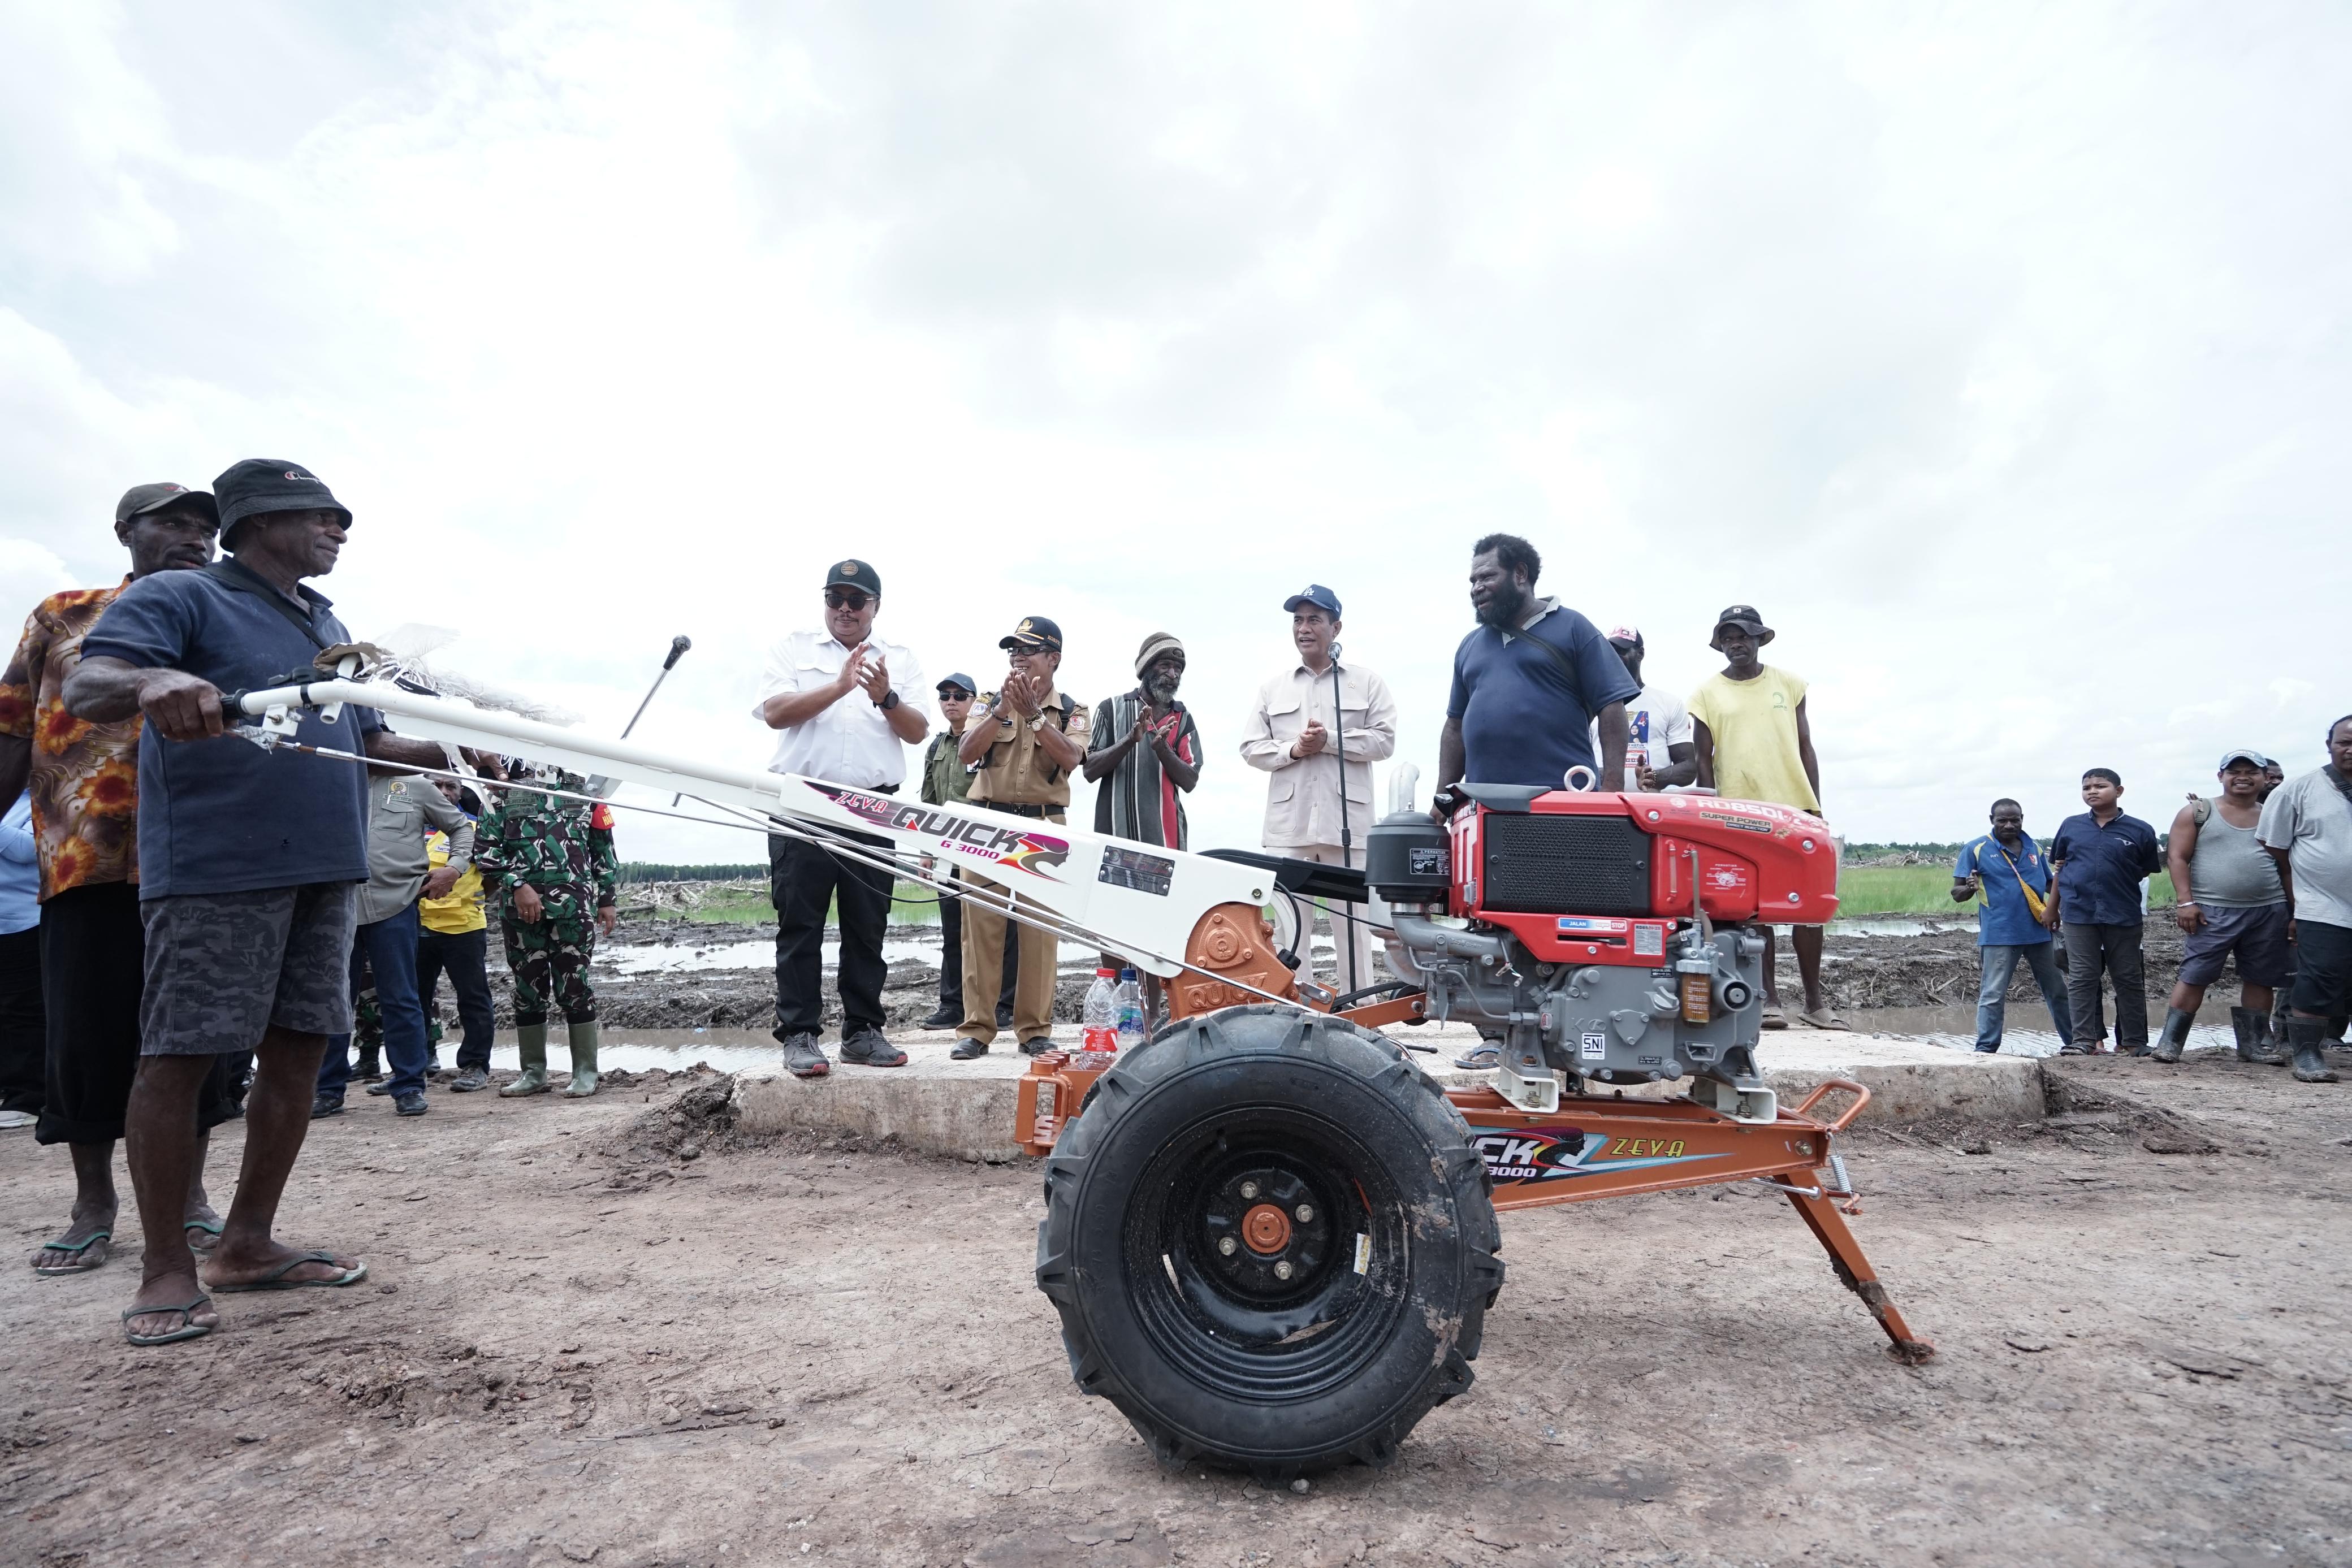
x,y
93,972
23,1034
803,883
951,959
2115,950
464,957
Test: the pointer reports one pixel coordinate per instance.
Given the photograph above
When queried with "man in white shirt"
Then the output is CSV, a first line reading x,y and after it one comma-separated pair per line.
x,y
1295,734
846,706
1659,748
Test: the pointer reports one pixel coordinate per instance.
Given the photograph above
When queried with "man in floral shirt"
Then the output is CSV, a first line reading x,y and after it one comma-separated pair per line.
x,y
83,780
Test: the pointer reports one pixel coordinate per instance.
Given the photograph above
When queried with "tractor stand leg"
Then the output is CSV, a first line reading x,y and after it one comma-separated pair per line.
x,y
1854,1270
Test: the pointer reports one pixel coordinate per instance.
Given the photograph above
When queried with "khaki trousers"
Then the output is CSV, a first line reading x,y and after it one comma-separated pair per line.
x,y
1328,854
984,955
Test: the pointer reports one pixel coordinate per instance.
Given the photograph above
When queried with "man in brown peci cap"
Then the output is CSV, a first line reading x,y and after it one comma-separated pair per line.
x,y
83,780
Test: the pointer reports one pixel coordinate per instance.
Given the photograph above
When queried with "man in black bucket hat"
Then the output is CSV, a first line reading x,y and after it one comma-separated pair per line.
x,y
249,863
1754,741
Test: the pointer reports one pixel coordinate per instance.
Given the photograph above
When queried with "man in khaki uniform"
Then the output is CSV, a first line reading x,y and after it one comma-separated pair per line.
x,y
1295,733
1024,745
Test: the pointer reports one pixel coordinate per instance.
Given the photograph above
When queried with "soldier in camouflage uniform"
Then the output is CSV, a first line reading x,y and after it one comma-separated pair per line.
x,y
548,870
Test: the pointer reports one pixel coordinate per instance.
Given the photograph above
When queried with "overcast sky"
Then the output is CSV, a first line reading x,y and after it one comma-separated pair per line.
x,y
1998,354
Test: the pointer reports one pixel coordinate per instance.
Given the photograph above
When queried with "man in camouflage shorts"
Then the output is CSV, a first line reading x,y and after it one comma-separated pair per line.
x,y
548,867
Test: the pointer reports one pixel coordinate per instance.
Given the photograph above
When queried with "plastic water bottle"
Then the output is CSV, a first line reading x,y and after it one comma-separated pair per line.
x,y
1098,1019
1132,1025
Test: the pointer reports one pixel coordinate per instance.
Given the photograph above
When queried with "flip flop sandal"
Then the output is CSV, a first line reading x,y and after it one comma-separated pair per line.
x,y
1824,1018
1775,1019
80,1250
189,1328
205,1228
1480,1059
276,1278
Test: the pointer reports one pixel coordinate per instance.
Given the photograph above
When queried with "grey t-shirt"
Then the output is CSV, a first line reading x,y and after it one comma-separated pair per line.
x,y
2310,819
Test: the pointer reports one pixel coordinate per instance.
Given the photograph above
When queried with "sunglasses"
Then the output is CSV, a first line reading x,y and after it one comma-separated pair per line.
x,y
845,599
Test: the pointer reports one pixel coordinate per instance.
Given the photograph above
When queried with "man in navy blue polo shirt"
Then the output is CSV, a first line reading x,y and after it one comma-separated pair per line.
x,y
1531,684
2097,862
2005,868
249,866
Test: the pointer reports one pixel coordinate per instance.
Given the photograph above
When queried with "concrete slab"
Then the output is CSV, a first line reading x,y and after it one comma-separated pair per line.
x,y
964,1109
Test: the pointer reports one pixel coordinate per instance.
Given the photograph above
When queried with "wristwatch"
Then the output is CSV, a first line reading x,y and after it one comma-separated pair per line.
x,y
889,700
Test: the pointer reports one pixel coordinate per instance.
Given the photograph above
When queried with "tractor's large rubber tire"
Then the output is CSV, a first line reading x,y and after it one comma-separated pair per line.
x,y
1214,1355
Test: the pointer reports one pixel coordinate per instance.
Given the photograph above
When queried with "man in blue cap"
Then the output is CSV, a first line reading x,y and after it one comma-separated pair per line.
x,y
1317,728
249,866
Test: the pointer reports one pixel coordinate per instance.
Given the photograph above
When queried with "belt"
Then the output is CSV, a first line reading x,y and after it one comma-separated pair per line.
x,y
1017,808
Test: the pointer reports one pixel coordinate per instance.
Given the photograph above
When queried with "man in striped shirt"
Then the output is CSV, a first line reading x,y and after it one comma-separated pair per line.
x,y
1146,758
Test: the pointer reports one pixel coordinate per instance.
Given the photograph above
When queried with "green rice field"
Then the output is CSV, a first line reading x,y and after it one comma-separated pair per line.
x,y
1864,893
1916,890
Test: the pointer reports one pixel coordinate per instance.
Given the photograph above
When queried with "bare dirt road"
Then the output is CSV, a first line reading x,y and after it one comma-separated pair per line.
x,y
577,1346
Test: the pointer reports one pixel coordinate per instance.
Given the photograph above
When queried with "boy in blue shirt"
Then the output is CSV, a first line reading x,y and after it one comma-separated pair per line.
x,y
2006,869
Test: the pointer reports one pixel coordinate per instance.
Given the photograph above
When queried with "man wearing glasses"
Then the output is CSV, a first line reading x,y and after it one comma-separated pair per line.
x,y
846,706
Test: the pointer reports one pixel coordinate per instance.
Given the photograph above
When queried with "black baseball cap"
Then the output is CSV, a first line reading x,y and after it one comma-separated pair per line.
x,y
854,574
140,499
1035,633
260,485
962,683
1316,595
1744,616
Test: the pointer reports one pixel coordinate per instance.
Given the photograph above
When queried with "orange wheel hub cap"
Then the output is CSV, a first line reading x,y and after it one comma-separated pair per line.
x,y
1266,1228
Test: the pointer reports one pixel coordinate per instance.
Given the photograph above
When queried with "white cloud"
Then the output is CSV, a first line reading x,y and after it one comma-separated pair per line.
x,y
2001,359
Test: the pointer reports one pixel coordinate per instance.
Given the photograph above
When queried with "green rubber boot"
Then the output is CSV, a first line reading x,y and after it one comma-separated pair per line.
x,y
531,1042
583,1060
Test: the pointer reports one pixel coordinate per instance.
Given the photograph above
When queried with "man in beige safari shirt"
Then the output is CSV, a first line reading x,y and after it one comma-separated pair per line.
x,y
1294,734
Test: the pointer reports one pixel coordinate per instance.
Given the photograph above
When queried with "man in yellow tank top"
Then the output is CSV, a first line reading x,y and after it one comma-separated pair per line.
x,y
454,939
1755,743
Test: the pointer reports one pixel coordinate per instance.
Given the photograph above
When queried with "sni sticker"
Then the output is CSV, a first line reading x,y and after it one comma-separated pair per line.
x,y
1596,1045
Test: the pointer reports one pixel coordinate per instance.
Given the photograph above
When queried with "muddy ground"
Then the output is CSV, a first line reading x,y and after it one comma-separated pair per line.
x,y
577,1345
1934,970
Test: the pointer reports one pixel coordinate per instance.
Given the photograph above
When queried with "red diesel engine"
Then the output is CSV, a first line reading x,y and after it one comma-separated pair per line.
x,y
1612,937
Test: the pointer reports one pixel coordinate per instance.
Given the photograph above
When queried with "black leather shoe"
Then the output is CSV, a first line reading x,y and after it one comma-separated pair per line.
x,y
383,1087
411,1103
326,1105
946,1018
1003,1017
968,1049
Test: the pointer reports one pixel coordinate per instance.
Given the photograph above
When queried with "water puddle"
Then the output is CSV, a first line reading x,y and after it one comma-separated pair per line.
x,y
758,953
1956,1029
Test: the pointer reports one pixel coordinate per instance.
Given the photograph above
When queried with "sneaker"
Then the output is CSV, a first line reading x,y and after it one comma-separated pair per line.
x,y
412,1103
869,1048
381,1086
803,1058
468,1081
968,1049
946,1018
12,1120
326,1105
